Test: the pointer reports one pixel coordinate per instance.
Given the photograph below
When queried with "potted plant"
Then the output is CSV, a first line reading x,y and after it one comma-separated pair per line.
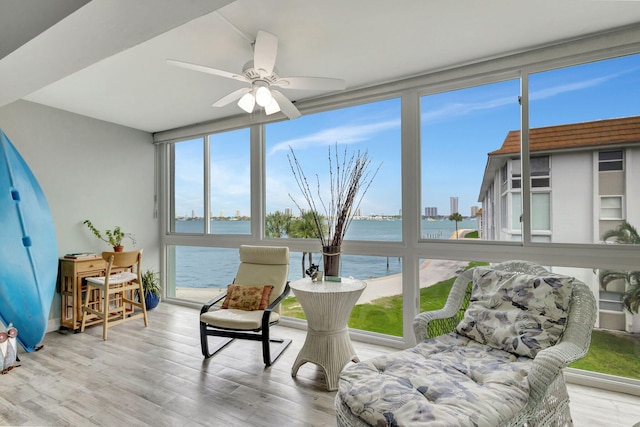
x,y
151,287
349,180
627,234
113,237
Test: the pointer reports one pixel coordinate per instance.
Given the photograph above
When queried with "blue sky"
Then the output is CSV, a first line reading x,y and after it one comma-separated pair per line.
x,y
458,129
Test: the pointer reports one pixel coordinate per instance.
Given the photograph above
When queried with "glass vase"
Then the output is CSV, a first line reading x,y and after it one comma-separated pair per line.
x,y
331,260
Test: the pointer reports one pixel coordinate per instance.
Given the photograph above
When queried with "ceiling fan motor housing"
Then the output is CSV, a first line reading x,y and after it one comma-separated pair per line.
x,y
252,74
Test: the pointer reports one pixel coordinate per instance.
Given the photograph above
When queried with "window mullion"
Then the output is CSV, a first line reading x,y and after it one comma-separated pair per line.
x,y
258,187
207,184
524,150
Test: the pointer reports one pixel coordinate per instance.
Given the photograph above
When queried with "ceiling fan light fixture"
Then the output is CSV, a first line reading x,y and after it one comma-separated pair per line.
x,y
263,96
247,102
272,108
264,80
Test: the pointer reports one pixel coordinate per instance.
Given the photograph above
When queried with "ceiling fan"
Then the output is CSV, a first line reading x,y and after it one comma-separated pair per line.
x,y
262,77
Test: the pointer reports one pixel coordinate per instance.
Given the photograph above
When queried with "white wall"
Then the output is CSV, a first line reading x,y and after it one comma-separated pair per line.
x,y
88,169
572,203
632,183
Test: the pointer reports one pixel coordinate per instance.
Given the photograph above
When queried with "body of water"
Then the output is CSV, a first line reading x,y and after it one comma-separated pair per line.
x,y
202,267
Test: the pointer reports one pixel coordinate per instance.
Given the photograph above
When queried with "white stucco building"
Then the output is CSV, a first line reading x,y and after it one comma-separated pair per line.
x,y
585,180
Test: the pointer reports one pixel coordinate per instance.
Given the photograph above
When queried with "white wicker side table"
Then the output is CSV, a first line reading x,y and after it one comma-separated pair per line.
x,y
327,306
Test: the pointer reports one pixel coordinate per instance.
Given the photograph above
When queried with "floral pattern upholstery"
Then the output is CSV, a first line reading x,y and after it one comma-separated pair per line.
x,y
518,313
248,298
450,380
454,380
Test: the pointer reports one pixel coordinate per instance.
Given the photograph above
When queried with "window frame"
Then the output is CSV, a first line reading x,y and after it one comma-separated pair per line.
x,y
602,162
621,207
412,248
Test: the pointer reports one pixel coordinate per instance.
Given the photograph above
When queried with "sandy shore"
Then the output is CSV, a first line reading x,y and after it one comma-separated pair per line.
x,y
431,272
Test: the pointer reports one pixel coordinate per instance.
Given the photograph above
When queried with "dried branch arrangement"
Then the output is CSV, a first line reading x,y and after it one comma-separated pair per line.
x,y
350,178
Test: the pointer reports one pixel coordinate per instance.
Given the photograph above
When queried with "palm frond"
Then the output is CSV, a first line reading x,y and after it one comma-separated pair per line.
x,y
631,298
624,233
607,276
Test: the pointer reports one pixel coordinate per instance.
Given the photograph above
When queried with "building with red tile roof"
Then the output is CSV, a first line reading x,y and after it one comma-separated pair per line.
x,y
585,178
576,136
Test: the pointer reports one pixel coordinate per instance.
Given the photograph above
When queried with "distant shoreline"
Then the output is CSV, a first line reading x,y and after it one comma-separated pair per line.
x,y
431,271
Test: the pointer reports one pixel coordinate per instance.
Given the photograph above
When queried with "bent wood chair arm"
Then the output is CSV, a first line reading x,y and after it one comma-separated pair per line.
x,y
207,306
267,311
278,300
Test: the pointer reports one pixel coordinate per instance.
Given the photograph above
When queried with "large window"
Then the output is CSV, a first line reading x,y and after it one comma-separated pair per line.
x,y
373,128
187,192
579,182
230,178
458,129
379,308
227,205
581,119
198,273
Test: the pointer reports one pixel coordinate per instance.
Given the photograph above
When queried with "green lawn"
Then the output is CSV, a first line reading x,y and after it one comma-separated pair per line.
x,y
610,353
383,315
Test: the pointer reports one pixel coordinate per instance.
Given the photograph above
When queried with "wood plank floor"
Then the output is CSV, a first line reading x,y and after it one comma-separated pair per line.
x,y
156,376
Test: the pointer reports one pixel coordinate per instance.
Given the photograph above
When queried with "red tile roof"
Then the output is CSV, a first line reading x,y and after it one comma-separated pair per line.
x,y
600,133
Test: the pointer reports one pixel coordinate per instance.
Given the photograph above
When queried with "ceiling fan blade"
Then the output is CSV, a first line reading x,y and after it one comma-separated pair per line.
x,y
208,70
236,94
286,106
264,53
317,83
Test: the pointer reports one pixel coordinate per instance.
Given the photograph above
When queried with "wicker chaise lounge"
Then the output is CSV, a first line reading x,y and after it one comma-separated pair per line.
x,y
497,362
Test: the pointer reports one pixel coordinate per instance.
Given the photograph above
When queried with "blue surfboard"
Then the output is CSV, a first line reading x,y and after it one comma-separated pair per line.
x,y
28,249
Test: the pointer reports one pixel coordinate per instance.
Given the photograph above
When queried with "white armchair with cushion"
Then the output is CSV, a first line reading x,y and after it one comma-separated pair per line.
x,y
496,363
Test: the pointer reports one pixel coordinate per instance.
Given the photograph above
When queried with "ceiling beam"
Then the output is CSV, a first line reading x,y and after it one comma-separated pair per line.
x,y
94,32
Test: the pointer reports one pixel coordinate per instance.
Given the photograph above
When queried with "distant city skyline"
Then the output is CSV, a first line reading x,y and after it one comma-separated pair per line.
x,y
430,212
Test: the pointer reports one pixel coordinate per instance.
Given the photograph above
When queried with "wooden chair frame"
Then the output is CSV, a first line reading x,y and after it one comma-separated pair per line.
x,y
261,333
116,292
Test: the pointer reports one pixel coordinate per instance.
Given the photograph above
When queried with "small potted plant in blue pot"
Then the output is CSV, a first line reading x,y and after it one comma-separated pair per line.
x,y
151,287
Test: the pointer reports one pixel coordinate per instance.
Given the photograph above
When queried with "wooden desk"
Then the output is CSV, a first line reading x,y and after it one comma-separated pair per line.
x,y
73,289
327,306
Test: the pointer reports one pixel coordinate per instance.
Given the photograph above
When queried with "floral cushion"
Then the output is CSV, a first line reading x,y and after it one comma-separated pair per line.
x,y
249,298
515,312
445,381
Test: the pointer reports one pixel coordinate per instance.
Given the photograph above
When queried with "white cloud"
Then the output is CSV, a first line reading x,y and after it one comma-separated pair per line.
x,y
462,109
458,109
571,87
347,134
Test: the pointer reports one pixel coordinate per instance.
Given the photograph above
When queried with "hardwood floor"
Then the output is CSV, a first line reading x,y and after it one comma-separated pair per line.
x,y
157,376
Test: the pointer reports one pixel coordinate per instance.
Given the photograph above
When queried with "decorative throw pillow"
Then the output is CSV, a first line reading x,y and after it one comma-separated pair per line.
x,y
515,312
243,297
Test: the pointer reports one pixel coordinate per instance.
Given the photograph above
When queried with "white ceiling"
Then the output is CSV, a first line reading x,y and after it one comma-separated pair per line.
x,y
107,59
